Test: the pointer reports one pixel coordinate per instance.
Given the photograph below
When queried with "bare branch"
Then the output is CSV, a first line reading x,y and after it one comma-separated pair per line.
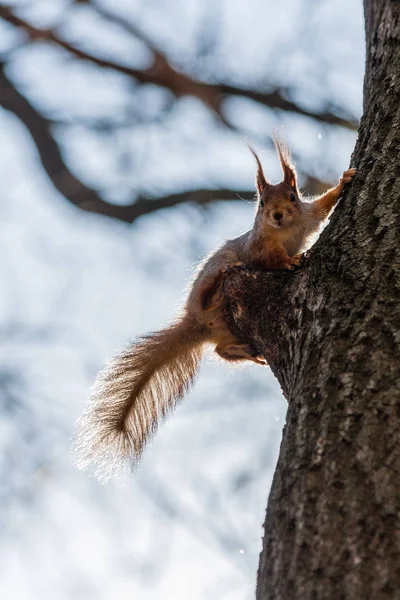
x,y
180,84
88,199
74,190
277,99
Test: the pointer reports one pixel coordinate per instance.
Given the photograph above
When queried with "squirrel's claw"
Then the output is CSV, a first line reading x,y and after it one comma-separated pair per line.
x,y
260,360
295,262
348,176
235,264
238,264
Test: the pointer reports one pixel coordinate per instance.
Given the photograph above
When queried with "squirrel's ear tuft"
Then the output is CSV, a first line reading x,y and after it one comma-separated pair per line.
x,y
261,181
289,171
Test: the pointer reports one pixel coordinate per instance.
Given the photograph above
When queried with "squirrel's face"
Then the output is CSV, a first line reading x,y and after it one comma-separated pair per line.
x,y
279,205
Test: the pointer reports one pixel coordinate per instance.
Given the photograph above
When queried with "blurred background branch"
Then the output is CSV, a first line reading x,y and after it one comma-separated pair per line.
x,y
168,76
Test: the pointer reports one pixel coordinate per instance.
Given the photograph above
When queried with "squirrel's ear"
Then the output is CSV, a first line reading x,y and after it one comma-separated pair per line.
x,y
261,181
289,171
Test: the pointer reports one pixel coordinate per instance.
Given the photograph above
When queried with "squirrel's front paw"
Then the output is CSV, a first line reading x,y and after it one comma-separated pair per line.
x,y
294,262
347,176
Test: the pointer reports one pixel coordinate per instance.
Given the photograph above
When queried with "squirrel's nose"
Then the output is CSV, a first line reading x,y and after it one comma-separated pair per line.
x,y
278,216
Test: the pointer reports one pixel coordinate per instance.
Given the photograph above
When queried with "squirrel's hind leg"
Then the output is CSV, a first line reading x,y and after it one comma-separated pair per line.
x,y
212,288
236,352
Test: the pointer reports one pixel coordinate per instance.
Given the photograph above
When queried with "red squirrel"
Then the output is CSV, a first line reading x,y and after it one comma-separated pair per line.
x,y
145,381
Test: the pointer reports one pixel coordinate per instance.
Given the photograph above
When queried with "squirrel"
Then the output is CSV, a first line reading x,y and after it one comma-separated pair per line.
x,y
146,380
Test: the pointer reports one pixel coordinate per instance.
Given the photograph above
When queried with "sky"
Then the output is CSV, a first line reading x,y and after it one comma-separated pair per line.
x,y
76,287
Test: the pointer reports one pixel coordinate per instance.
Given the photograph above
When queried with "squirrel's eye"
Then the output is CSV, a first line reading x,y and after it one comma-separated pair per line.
x,y
261,202
292,198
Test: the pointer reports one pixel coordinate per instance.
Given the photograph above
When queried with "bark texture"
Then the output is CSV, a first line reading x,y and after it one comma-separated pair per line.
x,y
331,334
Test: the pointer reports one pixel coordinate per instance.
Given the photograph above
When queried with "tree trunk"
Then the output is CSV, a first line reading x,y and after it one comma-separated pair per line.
x,y
331,334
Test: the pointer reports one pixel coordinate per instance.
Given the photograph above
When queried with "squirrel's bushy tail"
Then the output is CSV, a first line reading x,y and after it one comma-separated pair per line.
x,y
139,387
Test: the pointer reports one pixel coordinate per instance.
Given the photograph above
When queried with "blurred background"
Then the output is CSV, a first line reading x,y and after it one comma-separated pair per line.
x,y
122,163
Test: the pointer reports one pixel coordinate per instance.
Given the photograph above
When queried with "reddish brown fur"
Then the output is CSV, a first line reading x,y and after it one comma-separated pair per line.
x,y
146,380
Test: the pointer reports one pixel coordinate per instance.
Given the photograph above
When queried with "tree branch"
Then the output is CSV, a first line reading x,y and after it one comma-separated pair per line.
x,y
277,99
88,199
161,73
180,84
73,189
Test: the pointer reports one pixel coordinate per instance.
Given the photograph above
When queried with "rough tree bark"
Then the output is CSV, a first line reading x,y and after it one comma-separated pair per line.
x,y
331,334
